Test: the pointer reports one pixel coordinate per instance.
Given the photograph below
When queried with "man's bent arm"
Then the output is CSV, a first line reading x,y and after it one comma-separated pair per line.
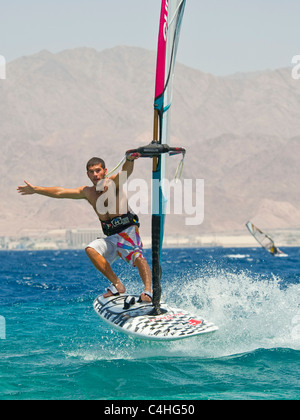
x,y
127,168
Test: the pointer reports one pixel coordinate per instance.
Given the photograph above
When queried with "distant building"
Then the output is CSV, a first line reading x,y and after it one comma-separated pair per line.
x,y
4,242
80,238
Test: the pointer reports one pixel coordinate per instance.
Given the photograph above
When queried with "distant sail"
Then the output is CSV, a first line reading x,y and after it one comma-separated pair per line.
x,y
263,239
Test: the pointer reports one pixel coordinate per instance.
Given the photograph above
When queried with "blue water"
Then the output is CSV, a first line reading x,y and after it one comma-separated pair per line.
x,y
57,348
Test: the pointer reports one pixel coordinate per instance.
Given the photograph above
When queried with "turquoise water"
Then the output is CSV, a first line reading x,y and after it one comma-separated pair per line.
x,y
57,348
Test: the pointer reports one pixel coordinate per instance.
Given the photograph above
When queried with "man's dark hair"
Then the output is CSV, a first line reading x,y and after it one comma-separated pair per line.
x,y
95,161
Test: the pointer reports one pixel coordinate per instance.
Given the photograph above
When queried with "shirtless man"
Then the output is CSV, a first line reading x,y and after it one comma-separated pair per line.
x,y
122,230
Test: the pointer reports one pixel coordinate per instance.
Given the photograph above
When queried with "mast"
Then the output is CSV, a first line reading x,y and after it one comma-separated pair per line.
x,y
169,30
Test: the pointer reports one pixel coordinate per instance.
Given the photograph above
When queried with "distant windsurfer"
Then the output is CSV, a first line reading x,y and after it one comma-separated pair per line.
x,y
119,224
265,240
276,251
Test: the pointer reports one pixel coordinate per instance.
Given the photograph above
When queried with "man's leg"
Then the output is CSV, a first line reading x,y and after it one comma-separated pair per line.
x,y
145,274
104,267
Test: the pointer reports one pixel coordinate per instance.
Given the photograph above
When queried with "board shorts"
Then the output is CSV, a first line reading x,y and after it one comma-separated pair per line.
x,y
126,245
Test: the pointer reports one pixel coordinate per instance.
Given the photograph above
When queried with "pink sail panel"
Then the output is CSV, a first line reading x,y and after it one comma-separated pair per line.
x,y
162,48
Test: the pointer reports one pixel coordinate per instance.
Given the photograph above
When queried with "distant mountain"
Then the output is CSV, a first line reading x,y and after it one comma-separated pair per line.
x,y
242,135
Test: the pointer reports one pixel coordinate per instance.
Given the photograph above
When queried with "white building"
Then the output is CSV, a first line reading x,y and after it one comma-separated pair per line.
x,y
80,238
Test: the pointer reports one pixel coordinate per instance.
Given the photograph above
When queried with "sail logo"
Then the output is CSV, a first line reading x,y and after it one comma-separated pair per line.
x,y
166,26
296,68
2,328
2,68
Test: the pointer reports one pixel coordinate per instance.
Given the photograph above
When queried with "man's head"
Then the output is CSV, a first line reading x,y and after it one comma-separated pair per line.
x,y
96,169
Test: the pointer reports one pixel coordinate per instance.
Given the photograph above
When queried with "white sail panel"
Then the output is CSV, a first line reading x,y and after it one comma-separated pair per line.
x,y
264,240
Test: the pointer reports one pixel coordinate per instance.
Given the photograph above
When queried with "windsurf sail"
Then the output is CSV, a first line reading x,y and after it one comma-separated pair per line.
x,y
159,149
126,312
172,12
263,239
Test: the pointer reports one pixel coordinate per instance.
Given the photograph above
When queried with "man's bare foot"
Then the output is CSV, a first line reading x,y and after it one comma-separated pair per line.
x,y
146,297
115,290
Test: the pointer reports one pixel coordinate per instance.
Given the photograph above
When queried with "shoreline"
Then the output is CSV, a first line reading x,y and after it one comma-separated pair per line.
x,y
77,239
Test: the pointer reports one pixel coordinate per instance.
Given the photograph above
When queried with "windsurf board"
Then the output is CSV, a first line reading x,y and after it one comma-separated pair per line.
x,y
135,318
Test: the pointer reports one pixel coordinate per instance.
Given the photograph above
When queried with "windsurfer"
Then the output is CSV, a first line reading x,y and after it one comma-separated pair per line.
x,y
122,227
276,251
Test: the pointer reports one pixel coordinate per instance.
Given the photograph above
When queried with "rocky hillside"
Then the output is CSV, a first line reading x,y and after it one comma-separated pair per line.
x,y
242,134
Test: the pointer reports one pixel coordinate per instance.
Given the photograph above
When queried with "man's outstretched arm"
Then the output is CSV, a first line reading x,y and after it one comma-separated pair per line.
x,y
53,192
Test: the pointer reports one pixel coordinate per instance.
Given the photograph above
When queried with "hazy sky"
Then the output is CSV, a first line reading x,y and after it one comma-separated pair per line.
x,y
218,36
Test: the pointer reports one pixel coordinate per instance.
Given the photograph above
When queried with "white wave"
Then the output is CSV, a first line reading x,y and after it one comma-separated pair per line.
x,y
237,256
251,312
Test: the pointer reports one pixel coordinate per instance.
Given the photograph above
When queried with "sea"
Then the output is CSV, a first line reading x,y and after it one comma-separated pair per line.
x,y
53,346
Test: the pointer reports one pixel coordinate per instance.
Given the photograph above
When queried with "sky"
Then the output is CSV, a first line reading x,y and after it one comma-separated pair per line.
x,y
221,37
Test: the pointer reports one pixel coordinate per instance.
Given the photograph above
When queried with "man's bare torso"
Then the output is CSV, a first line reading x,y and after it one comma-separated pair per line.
x,y
120,202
